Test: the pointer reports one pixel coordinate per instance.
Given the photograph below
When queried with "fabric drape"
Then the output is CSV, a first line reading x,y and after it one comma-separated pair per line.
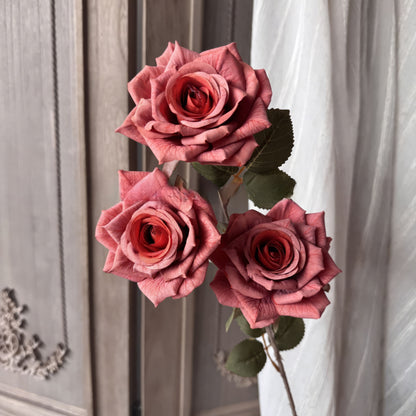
x,y
346,70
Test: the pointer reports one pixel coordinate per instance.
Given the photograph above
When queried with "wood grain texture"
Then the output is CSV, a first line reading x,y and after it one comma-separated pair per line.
x,y
29,180
167,332
107,76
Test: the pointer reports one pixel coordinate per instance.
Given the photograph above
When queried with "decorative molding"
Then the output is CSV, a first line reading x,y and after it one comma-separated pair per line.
x,y
17,402
19,352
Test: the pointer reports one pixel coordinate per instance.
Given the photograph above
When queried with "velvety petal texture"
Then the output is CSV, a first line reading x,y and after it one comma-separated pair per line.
x,y
199,107
158,235
275,264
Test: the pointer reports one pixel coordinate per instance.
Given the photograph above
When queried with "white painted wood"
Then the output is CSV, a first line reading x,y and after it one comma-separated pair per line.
x,y
16,402
29,181
107,76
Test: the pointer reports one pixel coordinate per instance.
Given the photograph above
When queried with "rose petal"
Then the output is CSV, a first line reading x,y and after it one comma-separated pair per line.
x,y
120,265
179,57
158,289
192,281
163,59
129,129
101,234
143,190
168,149
117,226
227,65
127,179
255,121
209,237
258,312
312,307
314,264
317,220
286,208
139,86
247,288
223,291
265,91
331,270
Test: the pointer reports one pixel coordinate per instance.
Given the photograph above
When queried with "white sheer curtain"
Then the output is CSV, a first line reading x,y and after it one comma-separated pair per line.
x,y
346,70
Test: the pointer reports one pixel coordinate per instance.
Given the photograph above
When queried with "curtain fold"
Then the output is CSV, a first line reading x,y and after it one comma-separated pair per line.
x,y
346,71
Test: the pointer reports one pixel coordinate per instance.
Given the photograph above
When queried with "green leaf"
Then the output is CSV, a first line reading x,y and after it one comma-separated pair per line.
x,y
245,327
234,314
218,175
289,332
266,190
275,143
247,358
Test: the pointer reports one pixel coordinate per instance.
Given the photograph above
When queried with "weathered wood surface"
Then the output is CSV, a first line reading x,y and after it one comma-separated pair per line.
x,y
107,76
53,283
167,332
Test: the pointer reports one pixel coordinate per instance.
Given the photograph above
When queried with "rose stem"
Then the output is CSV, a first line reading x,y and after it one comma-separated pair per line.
x,y
266,348
229,190
270,333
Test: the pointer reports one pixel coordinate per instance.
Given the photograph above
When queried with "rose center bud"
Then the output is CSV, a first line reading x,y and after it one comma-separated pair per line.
x,y
272,250
153,236
150,237
196,100
191,97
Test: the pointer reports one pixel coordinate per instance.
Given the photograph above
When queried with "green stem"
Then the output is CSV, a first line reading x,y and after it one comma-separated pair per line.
x,y
270,333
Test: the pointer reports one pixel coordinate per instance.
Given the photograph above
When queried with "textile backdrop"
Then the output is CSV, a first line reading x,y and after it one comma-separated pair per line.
x,y
346,70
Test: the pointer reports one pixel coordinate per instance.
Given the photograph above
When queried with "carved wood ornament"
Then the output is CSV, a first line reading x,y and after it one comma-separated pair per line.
x,y
18,351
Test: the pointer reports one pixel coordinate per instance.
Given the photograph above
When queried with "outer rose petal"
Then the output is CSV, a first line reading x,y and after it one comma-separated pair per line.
x,y
192,282
129,129
286,208
145,189
318,220
127,179
139,86
258,312
223,291
118,264
164,58
158,289
265,87
101,234
312,307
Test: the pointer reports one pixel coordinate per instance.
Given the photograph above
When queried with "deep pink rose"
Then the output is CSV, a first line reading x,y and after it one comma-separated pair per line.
x,y
159,236
274,264
199,107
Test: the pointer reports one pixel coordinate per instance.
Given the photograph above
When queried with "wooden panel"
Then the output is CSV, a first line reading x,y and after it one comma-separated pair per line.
x,y
43,217
16,402
107,76
167,332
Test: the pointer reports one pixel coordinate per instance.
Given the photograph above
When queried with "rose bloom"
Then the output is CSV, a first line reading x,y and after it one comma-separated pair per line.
x,y
159,236
274,264
199,107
